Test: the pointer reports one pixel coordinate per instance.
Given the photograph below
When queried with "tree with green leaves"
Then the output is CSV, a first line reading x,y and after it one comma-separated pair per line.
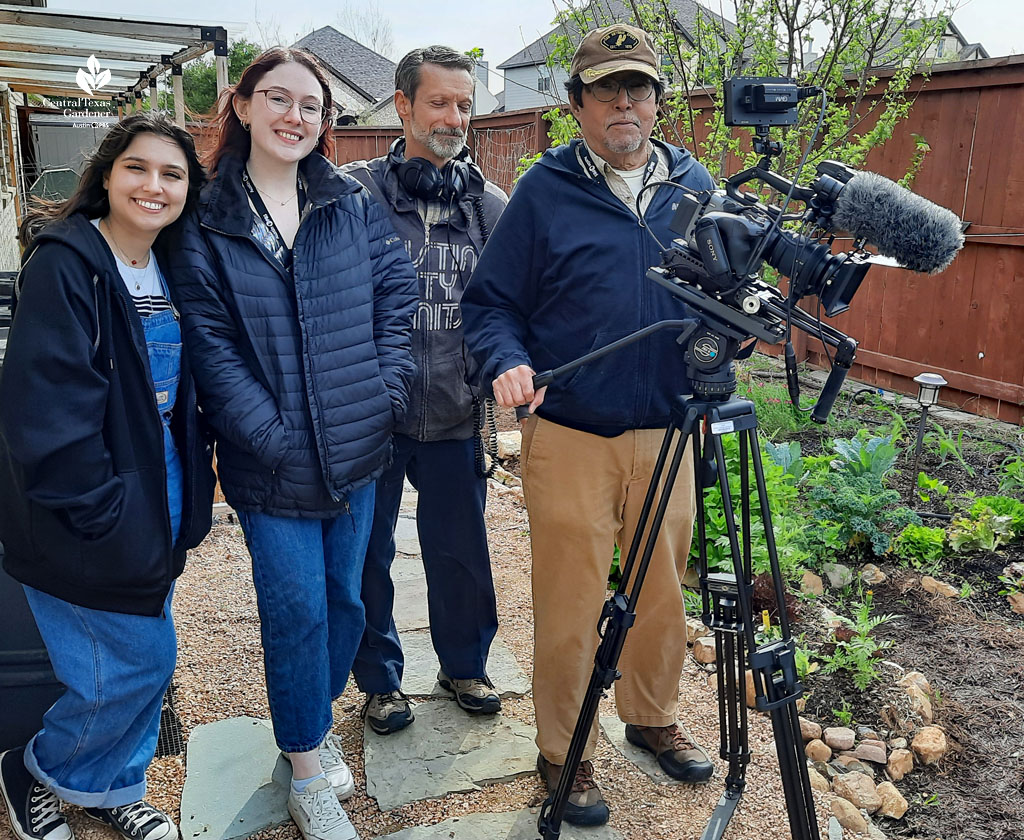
x,y
773,38
199,77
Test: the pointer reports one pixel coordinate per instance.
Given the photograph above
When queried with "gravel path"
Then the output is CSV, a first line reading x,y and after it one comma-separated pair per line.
x,y
220,675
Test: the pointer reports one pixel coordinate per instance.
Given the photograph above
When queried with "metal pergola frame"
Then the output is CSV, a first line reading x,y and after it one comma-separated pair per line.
x,y
41,51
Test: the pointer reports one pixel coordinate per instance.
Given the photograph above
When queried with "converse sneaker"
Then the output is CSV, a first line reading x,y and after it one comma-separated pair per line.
x,y
318,814
33,809
138,821
332,762
387,713
475,695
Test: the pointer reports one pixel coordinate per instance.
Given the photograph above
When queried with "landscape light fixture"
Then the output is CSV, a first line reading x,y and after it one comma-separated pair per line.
x,y
929,385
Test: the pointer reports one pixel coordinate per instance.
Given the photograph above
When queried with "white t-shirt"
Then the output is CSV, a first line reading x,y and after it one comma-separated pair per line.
x,y
145,285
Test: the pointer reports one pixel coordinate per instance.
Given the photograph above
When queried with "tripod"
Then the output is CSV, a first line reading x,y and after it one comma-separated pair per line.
x,y
701,420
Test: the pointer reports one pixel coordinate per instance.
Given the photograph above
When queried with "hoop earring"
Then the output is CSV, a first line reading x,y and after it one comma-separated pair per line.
x,y
245,125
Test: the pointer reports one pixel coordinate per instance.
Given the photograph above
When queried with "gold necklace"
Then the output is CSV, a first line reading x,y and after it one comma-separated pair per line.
x,y
120,251
274,198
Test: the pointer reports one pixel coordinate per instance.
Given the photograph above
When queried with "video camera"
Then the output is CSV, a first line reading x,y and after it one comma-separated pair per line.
x,y
726,236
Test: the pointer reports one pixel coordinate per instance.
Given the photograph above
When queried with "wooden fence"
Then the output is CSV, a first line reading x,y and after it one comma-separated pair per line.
x,y
961,323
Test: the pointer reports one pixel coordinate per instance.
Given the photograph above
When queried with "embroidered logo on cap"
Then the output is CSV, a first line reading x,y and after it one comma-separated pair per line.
x,y
619,40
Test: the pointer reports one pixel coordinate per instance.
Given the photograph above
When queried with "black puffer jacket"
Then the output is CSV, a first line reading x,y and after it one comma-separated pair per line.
x,y
301,374
83,484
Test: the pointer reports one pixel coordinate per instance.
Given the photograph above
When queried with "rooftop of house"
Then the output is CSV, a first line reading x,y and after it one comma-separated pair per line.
x,y
360,67
686,12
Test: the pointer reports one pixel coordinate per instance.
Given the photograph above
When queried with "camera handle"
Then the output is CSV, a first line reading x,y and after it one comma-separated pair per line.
x,y
727,610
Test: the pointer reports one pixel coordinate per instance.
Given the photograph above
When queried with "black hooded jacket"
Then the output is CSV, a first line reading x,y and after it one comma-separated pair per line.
x,y
83,483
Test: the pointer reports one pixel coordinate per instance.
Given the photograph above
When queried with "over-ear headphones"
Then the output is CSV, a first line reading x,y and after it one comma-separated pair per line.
x,y
422,179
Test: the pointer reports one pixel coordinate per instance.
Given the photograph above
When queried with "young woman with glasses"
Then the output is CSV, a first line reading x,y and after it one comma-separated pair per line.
x,y
297,298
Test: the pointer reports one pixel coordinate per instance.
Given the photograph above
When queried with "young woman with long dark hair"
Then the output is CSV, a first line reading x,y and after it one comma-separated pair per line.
x,y
105,477
297,300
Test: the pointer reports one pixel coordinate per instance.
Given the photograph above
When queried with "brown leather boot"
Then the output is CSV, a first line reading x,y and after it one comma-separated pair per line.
x,y
677,752
586,805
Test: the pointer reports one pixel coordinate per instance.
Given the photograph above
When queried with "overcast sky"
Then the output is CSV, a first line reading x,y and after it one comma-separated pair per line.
x,y
500,27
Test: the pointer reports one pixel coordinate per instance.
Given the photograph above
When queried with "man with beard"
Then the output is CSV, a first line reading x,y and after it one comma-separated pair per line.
x,y
564,274
443,208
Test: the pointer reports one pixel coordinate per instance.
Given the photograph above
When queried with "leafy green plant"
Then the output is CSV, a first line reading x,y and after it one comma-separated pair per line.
x,y
1002,506
1013,585
943,444
856,655
844,715
982,531
966,590
864,511
804,661
920,545
1011,478
863,455
776,416
782,494
928,487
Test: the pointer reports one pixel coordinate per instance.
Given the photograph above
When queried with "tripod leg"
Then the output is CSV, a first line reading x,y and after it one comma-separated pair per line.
x,y
617,617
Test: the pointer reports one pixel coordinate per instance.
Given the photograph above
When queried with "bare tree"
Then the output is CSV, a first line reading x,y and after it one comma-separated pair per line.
x,y
369,25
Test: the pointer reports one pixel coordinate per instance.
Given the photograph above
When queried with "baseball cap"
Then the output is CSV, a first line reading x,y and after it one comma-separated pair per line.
x,y
612,49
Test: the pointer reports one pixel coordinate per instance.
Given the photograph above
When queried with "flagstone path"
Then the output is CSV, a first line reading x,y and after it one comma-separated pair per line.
x,y
237,784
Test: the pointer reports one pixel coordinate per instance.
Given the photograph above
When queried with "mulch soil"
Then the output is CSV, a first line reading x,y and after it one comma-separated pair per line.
x,y
970,649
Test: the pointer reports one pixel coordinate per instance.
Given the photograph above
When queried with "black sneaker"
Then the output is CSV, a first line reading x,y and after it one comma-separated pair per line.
x,y
138,821
33,809
476,695
387,713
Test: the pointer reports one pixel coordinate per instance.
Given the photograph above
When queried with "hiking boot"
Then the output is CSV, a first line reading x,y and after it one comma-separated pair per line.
x,y
34,810
475,695
318,814
332,762
586,805
387,713
677,753
138,821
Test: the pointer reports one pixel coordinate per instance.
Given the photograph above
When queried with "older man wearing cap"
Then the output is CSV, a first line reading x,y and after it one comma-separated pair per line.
x,y
563,274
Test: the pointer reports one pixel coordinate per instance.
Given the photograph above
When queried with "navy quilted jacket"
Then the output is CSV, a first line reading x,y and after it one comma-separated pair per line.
x,y
303,373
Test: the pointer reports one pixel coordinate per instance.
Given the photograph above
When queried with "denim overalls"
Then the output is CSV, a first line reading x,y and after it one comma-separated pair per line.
x,y
100,736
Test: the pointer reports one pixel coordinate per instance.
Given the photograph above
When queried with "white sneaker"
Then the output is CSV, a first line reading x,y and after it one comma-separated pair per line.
x,y
332,761
318,814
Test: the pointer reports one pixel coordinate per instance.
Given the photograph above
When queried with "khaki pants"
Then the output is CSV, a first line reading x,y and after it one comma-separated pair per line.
x,y
584,494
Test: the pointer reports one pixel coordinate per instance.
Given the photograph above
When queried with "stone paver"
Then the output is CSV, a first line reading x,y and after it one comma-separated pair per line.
x,y
410,609
407,540
236,782
615,731
445,751
421,666
515,825
406,567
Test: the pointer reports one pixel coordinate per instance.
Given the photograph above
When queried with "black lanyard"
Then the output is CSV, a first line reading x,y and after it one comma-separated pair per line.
x,y
596,174
276,247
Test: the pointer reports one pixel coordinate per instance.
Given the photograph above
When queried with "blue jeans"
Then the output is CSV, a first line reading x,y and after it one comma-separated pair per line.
x,y
453,540
307,574
100,736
